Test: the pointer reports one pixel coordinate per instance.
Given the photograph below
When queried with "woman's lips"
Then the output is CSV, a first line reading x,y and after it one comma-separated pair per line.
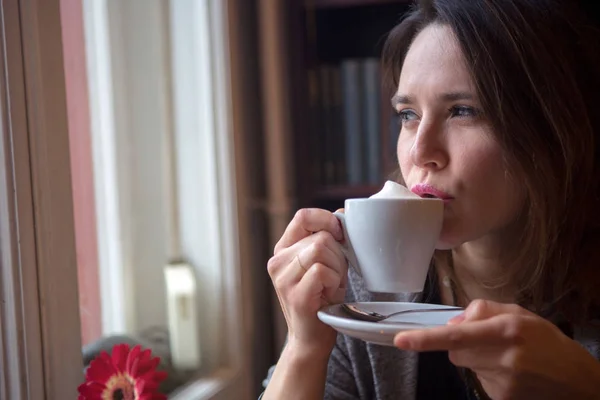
x,y
429,191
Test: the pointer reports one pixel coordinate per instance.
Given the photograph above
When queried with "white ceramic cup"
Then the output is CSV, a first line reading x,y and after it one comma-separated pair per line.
x,y
390,241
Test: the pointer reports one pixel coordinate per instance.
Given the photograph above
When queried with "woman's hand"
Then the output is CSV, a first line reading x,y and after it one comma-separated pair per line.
x,y
514,353
309,271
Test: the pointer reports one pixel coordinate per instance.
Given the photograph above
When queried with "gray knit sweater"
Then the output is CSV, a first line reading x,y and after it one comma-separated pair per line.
x,y
360,370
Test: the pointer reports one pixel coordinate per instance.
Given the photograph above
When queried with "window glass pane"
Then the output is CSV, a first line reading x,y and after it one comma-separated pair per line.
x,y
149,232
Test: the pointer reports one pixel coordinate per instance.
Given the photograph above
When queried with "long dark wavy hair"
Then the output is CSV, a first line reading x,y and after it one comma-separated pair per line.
x,y
536,67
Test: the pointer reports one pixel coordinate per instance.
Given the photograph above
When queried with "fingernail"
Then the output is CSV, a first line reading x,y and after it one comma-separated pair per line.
x,y
456,320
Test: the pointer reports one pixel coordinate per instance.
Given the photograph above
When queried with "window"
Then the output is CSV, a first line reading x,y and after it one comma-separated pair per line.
x,y
150,183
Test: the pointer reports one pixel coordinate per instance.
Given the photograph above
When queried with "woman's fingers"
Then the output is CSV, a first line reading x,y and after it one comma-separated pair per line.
x,y
289,266
305,223
318,282
477,358
307,269
483,309
320,252
286,270
500,330
320,247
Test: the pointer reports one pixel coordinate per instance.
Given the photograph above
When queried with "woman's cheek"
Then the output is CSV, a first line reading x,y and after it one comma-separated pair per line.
x,y
403,153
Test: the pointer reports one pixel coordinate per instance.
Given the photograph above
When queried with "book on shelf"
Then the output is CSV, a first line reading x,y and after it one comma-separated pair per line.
x,y
371,85
348,123
328,128
352,100
338,134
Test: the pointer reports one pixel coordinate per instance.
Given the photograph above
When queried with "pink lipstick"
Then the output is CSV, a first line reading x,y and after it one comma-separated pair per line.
x,y
427,191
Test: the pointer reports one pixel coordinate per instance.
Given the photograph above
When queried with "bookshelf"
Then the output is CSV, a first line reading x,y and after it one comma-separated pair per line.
x,y
334,192
347,3
344,131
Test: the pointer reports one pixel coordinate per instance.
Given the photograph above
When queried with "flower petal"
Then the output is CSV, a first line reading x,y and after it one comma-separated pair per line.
x,y
159,376
153,376
151,381
135,366
91,391
148,366
133,369
147,386
141,385
145,356
99,371
119,356
153,396
133,355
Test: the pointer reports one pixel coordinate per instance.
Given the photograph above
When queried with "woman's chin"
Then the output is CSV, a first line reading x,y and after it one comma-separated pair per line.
x,y
447,242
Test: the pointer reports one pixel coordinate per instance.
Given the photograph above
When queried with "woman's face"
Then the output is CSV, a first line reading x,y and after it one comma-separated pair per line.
x,y
446,147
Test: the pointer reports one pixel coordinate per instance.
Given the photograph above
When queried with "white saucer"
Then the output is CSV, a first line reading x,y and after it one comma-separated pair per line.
x,y
383,332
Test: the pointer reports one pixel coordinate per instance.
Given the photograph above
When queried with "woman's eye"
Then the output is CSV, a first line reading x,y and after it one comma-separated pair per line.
x,y
407,115
463,111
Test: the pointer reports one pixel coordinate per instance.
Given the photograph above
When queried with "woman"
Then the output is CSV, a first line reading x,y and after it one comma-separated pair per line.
x,y
498,102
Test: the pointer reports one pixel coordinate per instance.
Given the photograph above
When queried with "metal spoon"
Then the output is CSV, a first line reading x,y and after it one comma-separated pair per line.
x,y
372,316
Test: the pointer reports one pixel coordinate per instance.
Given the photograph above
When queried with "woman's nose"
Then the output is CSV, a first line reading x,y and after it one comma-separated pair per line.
x,y
428,149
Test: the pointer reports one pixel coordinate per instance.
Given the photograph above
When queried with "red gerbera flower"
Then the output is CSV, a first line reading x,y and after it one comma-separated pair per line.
x,y
127,375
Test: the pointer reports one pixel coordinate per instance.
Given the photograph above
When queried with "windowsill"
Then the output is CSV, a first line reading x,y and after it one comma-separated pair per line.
x,y
215,386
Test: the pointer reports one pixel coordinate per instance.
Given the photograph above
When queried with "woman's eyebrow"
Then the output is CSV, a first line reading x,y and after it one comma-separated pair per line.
x,y
399,98
454,96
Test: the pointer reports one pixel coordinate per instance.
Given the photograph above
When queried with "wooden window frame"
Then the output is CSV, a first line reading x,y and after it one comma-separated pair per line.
x,y
41,347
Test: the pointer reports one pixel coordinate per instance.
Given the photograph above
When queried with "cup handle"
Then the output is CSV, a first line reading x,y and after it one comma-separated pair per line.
x,y
347,245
